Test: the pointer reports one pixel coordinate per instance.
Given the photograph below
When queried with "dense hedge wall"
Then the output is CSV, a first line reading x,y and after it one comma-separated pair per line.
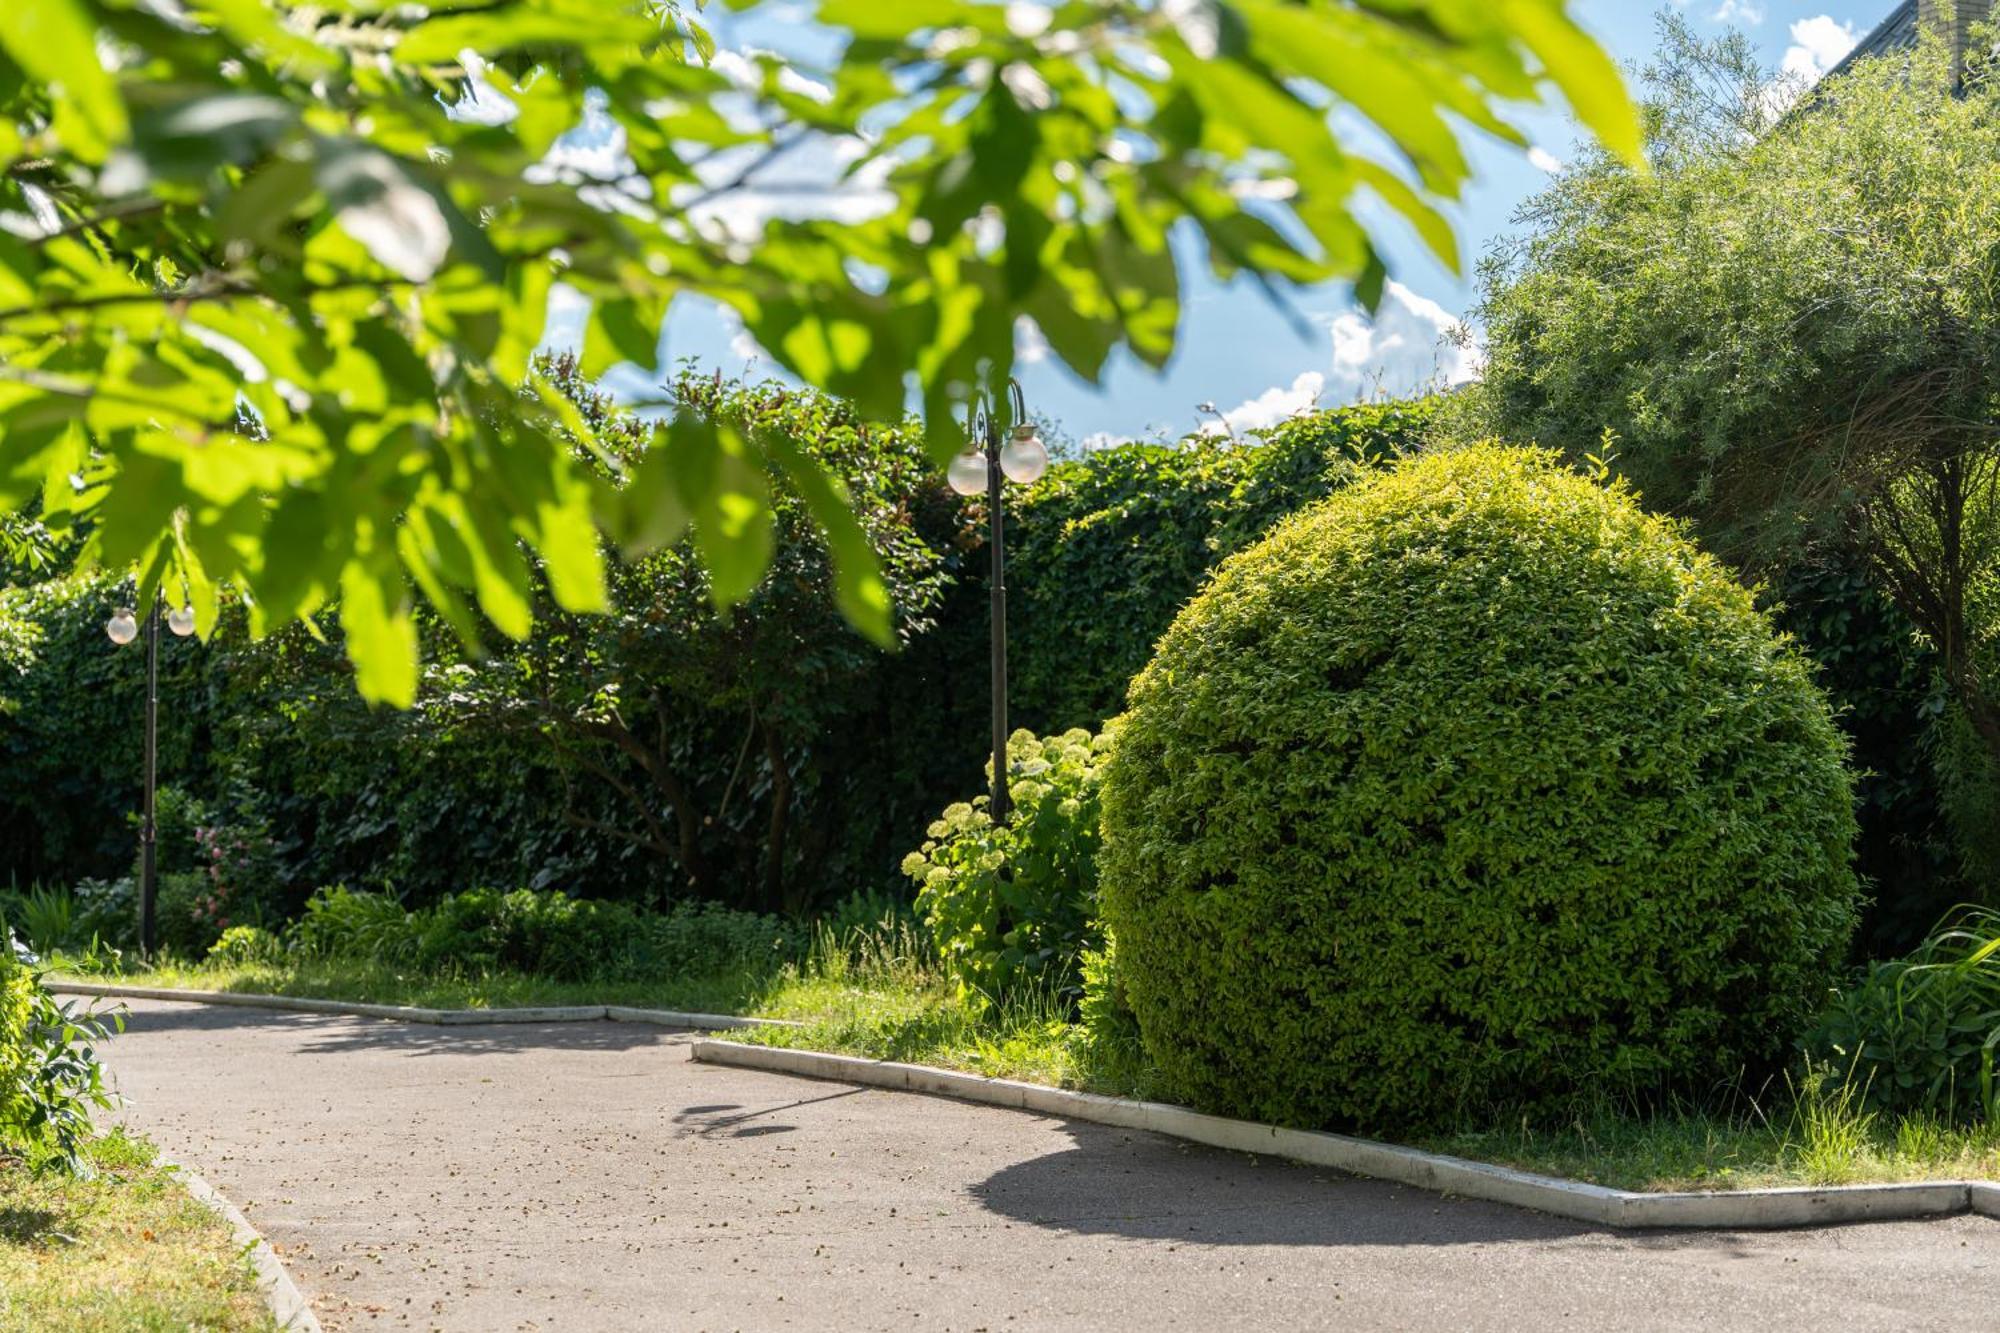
x,y
1105,550
1473,786
470,787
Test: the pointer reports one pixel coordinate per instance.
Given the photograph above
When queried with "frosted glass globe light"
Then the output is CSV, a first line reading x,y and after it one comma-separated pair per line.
x,y
1024,458
967,473
181,620
122,627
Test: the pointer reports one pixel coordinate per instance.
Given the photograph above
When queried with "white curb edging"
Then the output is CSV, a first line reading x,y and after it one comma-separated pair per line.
x,y
1737,1209
575,1013
288,1304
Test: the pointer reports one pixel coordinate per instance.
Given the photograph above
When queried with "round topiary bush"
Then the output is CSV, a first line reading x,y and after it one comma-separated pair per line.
x,y
1473,788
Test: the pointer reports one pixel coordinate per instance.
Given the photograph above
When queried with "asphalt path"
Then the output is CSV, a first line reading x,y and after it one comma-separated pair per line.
x,y
590,1176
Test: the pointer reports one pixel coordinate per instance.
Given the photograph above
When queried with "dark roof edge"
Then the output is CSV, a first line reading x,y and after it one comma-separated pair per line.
x,y
1898,32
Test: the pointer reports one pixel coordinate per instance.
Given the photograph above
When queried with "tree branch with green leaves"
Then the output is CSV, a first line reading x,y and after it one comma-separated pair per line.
x,y
342,223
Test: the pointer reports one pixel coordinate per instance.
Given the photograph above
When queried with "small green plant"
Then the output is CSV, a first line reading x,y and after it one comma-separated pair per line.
x,y
1014,904
244,946
48,919
1113,1054
1920,1031
50,1078
1833,1131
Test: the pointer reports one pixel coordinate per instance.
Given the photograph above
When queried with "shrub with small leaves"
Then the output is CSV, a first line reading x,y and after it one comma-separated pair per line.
x,y
1475,788
1014,903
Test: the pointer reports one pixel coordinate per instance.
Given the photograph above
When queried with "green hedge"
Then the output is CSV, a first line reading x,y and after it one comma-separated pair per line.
x,y
468,788
1473,786
1104,551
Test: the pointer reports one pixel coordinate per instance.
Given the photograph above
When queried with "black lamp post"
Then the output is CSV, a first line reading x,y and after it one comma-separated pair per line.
x,y
982,467
123,627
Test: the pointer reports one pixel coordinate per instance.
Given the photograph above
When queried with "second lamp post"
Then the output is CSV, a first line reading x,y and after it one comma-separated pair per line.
x,y
983,465
123,627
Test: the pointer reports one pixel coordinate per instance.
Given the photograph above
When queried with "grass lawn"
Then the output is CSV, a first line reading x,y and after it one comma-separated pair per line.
x,y
882,999
127,1249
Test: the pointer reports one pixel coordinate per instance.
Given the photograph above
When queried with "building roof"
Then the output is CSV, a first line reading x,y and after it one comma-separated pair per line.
x,y
1898,32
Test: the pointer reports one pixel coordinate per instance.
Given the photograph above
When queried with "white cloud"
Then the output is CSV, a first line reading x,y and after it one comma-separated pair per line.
x,y
1739,11
1030,345
1102,439
1270,407
1543,160
1818,44
1409,345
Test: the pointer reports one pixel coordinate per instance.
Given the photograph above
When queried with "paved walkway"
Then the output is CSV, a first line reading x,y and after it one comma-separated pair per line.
x,y
590,1176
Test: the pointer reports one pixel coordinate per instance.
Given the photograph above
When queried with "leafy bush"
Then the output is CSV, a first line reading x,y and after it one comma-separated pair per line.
x,y
543,934
107,910
699,939
540,934
1013,904
50,1077
1917,1034
1474,784
366,927
244,945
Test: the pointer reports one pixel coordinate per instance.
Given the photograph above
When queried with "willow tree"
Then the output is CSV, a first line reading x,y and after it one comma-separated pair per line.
x,y
341,222
1791,327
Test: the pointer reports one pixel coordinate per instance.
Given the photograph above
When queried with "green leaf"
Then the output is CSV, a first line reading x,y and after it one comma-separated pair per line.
x,y
381,635
55,43
188,139
859,589
622,329
725,492
1579,66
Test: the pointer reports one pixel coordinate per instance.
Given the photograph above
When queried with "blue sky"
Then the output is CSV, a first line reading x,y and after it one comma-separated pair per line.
x,y
1239,354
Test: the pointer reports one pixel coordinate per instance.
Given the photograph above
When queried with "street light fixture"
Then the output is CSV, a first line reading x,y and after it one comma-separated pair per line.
x,y
981,467
122,628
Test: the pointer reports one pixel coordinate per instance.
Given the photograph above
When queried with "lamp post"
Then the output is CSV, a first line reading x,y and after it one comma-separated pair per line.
x,y
123,627
982,467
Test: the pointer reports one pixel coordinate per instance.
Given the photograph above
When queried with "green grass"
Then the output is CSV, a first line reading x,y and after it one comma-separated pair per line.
x,y
125,1249
878,994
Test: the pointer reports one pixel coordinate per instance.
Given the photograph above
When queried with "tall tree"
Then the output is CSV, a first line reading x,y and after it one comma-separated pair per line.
x,y
1791,327
346,218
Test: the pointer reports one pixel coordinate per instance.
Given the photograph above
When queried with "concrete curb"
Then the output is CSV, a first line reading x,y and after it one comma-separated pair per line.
x,y
406,1014
1759,1209
288,1304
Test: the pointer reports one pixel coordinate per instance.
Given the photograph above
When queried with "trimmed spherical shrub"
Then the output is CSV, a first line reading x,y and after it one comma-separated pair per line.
x,y
1473,789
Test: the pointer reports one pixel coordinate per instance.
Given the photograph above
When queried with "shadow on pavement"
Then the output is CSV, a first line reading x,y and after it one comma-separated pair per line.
x,y
333,1034
726,1120
1145,1186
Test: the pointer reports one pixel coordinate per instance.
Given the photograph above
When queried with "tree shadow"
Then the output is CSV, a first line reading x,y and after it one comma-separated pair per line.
x,y
25,1226
1146,1186
334,1034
